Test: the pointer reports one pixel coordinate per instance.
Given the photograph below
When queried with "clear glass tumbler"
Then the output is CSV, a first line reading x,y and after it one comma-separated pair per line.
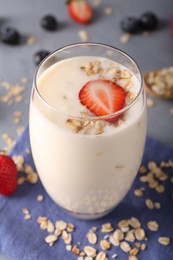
x,y
87,163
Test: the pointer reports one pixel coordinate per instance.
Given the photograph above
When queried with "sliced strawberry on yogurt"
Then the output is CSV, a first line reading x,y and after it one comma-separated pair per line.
x,y
80,11
103,97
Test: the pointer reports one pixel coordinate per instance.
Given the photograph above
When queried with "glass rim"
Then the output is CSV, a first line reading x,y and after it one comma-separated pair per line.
x,y
89,117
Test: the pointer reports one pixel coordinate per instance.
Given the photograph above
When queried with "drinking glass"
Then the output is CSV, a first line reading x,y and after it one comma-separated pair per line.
x,y
87,174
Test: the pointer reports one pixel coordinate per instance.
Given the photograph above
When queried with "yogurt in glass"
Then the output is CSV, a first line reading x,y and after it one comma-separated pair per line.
x,y
87,163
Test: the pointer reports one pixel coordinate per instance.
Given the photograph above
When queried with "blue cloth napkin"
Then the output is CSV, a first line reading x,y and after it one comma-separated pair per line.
x,y
22,239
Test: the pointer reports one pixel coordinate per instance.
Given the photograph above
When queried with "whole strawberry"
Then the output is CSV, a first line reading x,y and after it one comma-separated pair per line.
x,y
8,175
80,10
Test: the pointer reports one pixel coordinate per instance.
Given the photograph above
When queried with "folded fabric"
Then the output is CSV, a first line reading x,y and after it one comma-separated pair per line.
x,y
22,239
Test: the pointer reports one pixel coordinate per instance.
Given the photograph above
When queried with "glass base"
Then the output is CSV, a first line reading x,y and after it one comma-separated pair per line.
x,y
87,216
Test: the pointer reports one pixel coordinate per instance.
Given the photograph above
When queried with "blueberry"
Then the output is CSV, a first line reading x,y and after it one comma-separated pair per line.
x,y
39,56
149,21
131,25
9,35
49,23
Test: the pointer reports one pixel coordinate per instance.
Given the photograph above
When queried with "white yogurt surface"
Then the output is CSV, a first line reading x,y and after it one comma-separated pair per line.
x,y
84,173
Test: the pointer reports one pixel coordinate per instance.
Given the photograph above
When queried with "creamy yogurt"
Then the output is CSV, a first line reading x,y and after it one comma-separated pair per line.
x,y
86,165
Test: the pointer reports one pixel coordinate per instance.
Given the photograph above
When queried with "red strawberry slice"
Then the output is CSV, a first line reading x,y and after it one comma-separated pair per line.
x,y
80,11
8,175
102,97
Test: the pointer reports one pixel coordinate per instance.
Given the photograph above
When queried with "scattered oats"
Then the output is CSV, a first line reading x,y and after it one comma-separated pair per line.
x,y
31,40
124,38
70,227
40,219
160,188
25,211
118,235
24,80
16,120
142,169
106,228
32,178
27,151
125,246
9,142
90,251
14,93
153,225
162,176
94,229
50,239
27,216
150,102
66,237
137,244
114,241
50,227
171,111
40,198
138,193
61,225
28,169
130,236
149,203
80,258
152,183
157,205
133,257
139,234
152,165
164,241
134,251
21,180
123,223
19,99
17,114
97,3
134,222
83,35
43,225
143,246
92,238
82,253
57,232
105,245
101,256
68,247
89,258
114,255
125,229
75,250
20,130
108,11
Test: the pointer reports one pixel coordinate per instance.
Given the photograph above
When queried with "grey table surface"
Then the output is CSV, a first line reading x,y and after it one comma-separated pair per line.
x,y
16,62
